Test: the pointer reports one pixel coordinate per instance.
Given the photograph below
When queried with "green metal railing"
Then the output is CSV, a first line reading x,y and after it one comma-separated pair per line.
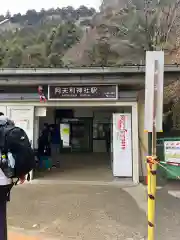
x,y
162,173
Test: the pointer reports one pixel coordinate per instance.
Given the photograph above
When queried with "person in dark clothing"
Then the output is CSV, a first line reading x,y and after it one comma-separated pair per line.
x,y
44,139
44,150
45,134
41,145
55,145
108,139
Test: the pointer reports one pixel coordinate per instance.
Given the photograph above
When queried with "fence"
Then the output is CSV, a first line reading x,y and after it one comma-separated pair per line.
x,y
174,171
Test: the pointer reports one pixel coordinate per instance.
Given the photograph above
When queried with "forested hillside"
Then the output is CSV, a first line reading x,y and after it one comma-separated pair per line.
x,y
40,39
119,34
124,30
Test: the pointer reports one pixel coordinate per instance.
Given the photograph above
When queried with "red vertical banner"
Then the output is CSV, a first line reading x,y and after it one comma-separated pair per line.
x,y
121,123
121,126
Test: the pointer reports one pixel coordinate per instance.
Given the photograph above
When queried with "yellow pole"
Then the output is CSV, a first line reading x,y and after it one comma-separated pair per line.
x,y
151,198
152,166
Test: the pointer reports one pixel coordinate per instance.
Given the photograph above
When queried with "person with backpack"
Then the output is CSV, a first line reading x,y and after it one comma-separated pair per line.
x,y
16,161
16,154
4,180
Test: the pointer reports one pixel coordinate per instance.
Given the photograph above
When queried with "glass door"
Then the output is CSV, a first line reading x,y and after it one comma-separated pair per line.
x,y
81,135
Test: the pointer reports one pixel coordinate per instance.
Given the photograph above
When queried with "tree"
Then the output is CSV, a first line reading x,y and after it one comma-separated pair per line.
x,y
13,57
55,60
40,39
101,54
8,15
84,11
64,37
50,41
146,26
32,17
2,54
141,26
34,56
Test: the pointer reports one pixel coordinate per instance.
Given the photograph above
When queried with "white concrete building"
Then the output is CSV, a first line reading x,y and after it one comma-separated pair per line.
x,y
89,100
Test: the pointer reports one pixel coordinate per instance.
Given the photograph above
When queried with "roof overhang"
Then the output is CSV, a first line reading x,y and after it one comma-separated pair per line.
x,y
128,75
83,71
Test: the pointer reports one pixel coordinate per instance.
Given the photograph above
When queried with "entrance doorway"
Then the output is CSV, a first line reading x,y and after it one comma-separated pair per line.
x,y
82,152
86,134
85,109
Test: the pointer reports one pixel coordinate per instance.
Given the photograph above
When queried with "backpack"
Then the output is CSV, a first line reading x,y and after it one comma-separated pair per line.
x,y
15,140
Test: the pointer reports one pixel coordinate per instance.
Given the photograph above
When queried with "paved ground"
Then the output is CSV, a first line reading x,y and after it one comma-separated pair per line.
x,y
79,201
84,211
167,210
18,236
81,167
63,211
168,213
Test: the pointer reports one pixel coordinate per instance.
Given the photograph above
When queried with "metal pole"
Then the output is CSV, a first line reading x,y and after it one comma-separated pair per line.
x,y
152,166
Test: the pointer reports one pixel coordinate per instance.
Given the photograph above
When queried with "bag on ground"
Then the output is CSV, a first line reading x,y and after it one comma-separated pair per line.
x,y
45,162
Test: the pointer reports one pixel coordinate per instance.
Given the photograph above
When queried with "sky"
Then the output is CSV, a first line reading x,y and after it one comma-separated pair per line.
x,y
15,6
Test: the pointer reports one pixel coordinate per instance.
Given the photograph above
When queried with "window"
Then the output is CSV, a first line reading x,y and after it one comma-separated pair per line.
x,y
99,130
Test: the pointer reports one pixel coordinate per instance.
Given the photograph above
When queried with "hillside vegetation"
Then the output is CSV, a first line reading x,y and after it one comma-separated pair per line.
x,y
124,30
40,39
119,34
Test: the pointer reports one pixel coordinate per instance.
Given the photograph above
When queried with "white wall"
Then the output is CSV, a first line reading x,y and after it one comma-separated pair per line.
x,y
3,109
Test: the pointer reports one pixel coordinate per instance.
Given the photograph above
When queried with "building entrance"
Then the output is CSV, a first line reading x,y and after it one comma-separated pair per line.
x,y
86,146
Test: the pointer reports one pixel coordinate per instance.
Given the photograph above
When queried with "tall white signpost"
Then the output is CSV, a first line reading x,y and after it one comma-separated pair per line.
x,y
154,82
153,124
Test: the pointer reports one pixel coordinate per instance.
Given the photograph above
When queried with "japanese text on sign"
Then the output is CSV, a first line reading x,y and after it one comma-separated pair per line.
x,y
83,92
123,139
76,90
121,126
172,151
121,123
